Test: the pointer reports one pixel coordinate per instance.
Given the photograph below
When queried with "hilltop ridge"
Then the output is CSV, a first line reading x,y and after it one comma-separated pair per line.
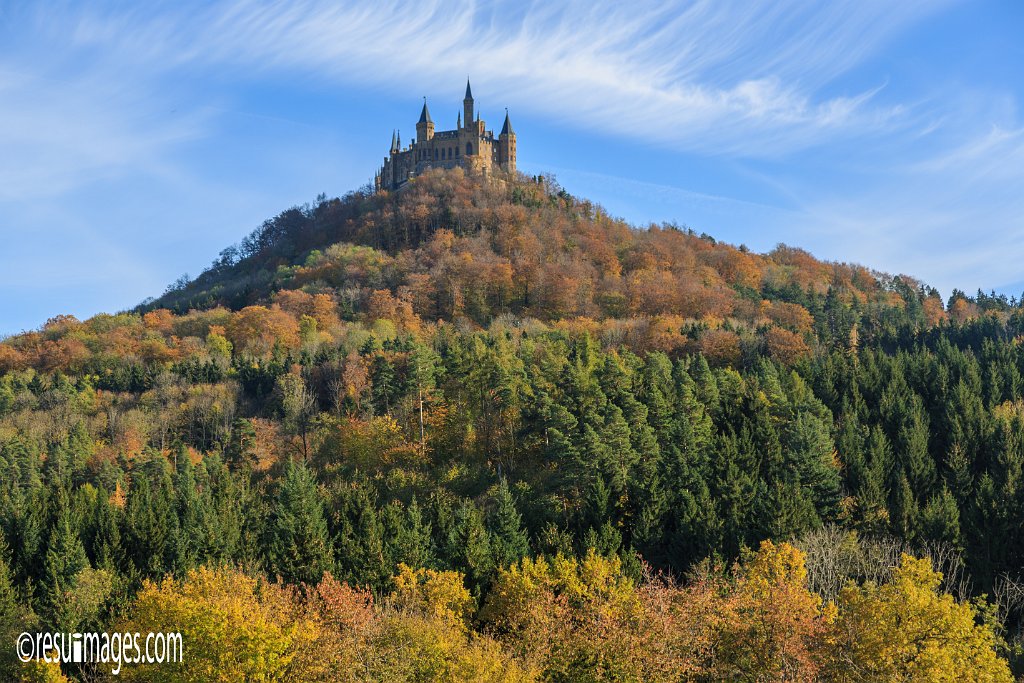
x,y
456,246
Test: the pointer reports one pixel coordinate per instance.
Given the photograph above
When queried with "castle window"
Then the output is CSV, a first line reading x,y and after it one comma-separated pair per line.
x,y
469,148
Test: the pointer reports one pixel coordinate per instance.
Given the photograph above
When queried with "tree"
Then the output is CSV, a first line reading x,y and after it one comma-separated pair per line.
x,y
770,627
234,628
65,560
299,548
508,540
298,406
240,454
908,630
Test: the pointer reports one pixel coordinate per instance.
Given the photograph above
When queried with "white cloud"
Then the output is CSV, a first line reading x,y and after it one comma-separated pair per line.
x,y
714,77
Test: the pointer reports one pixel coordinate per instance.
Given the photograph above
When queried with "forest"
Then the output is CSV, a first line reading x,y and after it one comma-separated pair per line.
x,y
478,429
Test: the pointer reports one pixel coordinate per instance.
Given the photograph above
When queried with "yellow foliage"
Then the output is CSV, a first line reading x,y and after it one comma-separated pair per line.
x,y
771,625
441,595
234,628
907,630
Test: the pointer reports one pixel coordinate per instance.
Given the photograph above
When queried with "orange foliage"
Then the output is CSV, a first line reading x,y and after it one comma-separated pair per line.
x,y
791,316
257,329
383,305
720,347
161,320
962,310
11,358
785,346
320,307
933,311
63,354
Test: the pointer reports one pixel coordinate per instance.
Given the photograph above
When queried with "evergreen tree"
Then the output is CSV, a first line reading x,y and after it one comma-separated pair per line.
x,y
467,545
940,520
408,535
507,538
299,549
358,537
240,454
104,540
65,560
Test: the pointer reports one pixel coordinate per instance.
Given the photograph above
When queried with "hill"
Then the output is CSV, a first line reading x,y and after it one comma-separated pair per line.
x,y
427,393
454,248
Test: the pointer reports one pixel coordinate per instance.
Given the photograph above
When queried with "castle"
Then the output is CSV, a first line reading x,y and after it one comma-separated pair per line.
x,y
470,146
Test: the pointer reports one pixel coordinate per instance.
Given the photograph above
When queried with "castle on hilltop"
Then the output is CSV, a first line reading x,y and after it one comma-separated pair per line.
x,y
470,146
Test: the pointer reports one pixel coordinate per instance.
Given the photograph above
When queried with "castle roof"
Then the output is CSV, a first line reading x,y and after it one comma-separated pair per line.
x,y
425,114
506,129
469,92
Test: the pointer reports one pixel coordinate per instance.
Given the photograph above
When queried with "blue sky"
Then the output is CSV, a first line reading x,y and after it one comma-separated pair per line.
x,y
136,141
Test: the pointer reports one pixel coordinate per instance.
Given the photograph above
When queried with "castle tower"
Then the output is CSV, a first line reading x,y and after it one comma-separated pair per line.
x,y
467,105
425,126
394,143
507,145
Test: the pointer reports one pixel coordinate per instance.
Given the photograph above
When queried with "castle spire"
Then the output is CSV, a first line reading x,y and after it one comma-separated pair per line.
x,y
425,126
394,142
506,129
425,114
467,105
399,140
459,124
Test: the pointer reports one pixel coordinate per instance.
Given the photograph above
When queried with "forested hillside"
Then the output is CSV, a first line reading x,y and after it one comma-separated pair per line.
x,y
488,426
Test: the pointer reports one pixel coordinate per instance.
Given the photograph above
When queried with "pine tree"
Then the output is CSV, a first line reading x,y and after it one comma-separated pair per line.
x,y
940,520
408,536
507,538
467,545
358,536
812,456
65,559
104,542
240,454
192,548
299,547
903,515
151,524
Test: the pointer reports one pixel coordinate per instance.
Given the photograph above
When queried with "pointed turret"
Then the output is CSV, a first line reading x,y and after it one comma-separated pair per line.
x,y
507,145
459,124
425,113
425,126
394,142
467,105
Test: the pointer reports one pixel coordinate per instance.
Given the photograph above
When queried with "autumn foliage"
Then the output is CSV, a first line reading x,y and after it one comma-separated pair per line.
x,y
563,619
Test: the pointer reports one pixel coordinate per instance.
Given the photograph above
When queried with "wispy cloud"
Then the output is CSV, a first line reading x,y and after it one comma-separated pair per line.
x,y
64,122
715,77
861,169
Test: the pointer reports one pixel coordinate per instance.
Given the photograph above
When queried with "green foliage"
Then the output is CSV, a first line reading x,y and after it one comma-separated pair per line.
x,y
484,373
299,548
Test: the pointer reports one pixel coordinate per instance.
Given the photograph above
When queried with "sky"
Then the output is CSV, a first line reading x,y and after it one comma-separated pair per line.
x,y
137,140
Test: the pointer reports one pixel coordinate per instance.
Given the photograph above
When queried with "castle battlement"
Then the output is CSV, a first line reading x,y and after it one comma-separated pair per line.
x,y
470,146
